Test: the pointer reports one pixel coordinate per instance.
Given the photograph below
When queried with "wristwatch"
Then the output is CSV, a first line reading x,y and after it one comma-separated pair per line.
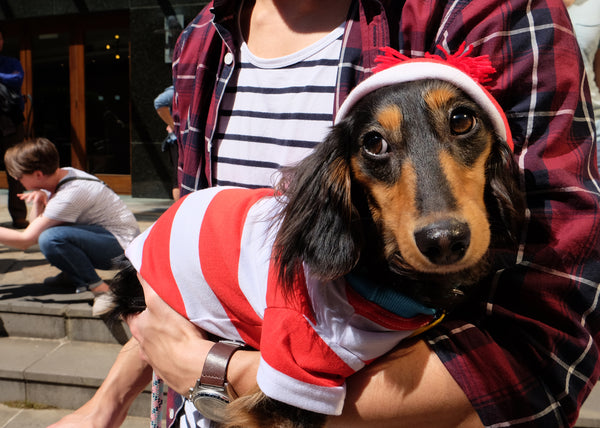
x,y
212,393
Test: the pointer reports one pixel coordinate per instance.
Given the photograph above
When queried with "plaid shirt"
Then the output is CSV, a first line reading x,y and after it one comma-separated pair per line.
x,y
525,351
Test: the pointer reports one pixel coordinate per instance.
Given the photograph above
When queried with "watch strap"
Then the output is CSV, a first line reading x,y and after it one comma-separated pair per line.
x,y
214,372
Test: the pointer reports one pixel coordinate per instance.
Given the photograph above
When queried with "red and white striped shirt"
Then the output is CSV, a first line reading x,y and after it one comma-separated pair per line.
x,y
209,258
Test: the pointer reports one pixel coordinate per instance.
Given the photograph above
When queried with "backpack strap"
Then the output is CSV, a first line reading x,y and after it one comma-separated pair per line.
x,y
66,180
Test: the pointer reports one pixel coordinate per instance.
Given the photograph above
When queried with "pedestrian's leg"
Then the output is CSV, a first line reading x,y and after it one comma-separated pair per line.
x,y
79,250
16,207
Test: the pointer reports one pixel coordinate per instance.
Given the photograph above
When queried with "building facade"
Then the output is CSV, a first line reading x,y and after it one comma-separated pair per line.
x,y
92,71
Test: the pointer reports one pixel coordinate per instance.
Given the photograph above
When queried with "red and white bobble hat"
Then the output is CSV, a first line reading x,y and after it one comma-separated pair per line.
x,y
467,73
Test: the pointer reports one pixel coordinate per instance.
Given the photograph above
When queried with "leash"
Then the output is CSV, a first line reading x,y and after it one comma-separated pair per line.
x,y
157,401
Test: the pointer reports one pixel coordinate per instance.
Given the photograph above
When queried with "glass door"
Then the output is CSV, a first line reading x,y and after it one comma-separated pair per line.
x,y
50,94
107,101
77,74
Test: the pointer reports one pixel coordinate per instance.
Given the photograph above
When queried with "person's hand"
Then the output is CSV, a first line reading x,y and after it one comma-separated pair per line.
x,y
38,199
172,345
35,197
85,417
176,348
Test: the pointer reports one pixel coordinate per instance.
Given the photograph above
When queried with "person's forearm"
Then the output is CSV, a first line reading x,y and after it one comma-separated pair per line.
x,y
165,115
127,378
16,238
108,407
410,385
23,239
241,371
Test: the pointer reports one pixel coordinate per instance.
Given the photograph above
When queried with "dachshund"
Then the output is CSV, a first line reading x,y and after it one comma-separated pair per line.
x,y
413,188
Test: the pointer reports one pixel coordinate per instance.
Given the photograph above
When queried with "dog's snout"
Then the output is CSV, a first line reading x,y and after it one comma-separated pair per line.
x,y
444,242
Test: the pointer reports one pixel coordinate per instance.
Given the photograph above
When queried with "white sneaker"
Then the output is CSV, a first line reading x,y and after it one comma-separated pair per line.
x,y
103,304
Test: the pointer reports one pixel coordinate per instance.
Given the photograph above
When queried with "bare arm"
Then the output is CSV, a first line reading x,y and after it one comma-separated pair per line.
x,y
108,407
23,239
165,115
409,384
131,373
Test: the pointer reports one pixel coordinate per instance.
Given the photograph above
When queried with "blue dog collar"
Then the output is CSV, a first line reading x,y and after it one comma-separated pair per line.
x,y
386,297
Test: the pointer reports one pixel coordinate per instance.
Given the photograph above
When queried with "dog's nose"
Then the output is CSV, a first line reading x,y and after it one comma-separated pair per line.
x,y
444,242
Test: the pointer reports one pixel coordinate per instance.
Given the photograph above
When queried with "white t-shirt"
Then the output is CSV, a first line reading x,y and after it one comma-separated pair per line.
x,y
274,112
91,202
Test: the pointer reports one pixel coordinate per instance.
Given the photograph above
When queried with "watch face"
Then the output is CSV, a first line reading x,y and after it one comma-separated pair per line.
x,y
212,404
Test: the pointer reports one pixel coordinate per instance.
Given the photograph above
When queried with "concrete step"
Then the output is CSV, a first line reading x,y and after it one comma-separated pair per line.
x,y
589,417
34,311
28,308
58,372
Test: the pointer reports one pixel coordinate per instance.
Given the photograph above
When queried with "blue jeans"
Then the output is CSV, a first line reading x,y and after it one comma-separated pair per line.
x,y
79,250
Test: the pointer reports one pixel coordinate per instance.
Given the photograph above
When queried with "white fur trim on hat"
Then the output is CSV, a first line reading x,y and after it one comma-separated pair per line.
x,y
427,68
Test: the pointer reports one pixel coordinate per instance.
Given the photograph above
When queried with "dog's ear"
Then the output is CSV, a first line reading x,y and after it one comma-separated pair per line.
x,y
319,223
504,198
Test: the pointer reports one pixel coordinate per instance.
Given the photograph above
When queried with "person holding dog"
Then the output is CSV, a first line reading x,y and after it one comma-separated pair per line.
x,y
524,349
79,223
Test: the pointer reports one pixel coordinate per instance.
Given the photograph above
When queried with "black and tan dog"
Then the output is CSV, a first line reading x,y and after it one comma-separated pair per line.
x,y
414,181
414,185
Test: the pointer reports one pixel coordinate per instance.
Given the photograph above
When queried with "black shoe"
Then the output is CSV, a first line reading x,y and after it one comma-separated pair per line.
x,y
20,224
62,280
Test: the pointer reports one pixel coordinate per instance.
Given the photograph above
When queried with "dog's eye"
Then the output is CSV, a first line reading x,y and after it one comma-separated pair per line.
x,y
374,144
462,121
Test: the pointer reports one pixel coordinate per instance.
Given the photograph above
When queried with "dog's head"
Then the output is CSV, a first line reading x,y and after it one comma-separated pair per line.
x,y
416,175
421,152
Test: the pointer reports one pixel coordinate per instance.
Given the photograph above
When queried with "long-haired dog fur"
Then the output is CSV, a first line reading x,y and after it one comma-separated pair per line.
x,y
413,185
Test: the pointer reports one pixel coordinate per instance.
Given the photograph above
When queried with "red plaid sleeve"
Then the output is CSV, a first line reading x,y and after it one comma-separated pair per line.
x,y
200,72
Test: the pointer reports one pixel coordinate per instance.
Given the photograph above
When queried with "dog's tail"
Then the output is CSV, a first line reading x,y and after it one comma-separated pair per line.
x,y
128,293
256,410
